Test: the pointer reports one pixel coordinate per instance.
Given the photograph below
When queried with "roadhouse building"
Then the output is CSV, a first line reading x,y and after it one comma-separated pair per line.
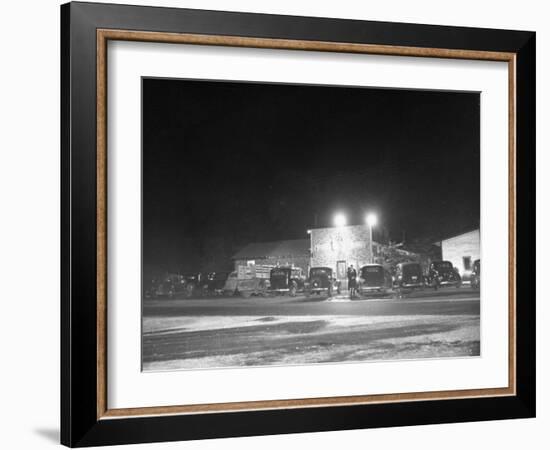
x,y
334,247
338,247
461,250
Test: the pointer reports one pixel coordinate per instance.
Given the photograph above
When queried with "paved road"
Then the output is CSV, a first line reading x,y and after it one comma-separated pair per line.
x,y
229,332
443,302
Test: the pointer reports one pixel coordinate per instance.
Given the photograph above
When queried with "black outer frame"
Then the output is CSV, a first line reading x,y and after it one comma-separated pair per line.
x,y
79,424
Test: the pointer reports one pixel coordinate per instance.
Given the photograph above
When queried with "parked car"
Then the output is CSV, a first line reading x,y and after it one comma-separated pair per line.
x,y
244,286
442,273
167,286
252,286
193,284
321,279
214,283
374,278
408,275
475,280
230,285
289,280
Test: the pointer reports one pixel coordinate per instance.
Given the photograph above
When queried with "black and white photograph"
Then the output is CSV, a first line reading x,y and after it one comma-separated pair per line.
x,y
292,224
239,225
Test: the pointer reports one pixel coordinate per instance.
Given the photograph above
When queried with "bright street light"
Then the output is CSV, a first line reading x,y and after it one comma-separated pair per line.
x,y
340,220
371,220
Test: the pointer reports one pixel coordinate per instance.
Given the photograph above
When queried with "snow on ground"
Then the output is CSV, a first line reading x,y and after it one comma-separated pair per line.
x,y
162,325
172,343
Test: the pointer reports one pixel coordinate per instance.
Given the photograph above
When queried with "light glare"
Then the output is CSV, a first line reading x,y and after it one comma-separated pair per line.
x,y
372,220
340,220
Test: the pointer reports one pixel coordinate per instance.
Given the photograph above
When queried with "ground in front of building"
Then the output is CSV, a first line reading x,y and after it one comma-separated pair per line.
x,y
258,331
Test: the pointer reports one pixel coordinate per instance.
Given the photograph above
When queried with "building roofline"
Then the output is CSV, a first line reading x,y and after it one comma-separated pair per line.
x,y
333,226
270,247
451,236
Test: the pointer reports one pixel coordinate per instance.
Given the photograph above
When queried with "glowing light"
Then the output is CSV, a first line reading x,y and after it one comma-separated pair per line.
x,y
340,220
371,220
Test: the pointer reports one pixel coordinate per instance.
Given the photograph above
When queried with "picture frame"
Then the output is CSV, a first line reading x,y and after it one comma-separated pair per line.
x,y
86,418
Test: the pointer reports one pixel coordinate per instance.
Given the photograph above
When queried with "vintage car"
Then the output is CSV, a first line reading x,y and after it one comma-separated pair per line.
x,y
475,280
214,283
374,278
169,286
321,279
288,280
408,275
193,284
244,286
441,274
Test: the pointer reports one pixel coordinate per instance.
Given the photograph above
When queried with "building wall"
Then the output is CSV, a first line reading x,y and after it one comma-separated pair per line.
x,y
459,249
349,245
260,267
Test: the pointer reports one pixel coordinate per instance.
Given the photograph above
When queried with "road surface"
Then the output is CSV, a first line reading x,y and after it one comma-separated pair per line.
x,y
256,331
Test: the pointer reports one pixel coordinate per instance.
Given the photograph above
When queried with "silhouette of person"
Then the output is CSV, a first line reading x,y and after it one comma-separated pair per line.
x,y
352,281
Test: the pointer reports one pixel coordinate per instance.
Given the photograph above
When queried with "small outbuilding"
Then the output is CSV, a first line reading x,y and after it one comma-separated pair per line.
x,y
461,250
257,259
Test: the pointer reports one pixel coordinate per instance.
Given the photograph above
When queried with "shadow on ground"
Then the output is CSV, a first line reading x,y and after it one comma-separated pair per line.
x,y
49,434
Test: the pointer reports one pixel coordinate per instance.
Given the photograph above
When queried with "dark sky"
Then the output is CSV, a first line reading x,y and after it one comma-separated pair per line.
x,y
225,164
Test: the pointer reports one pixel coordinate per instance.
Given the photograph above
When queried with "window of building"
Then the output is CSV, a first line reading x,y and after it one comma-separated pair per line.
x,y
467,260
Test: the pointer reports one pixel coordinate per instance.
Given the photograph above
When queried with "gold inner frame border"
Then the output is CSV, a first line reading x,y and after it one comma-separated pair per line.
x,y
105,35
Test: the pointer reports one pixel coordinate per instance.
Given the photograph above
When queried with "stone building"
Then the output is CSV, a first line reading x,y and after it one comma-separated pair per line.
x,y
257,259
338,247
334,247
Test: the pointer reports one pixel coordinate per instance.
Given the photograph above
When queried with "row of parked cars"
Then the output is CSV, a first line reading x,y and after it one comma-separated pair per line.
x,y
187,285
440,274
372,278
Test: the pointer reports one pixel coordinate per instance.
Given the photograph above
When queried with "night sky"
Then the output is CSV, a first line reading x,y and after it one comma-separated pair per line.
x,y
226,164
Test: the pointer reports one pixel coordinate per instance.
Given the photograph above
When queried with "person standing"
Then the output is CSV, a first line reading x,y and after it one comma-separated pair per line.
x,y
352,281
